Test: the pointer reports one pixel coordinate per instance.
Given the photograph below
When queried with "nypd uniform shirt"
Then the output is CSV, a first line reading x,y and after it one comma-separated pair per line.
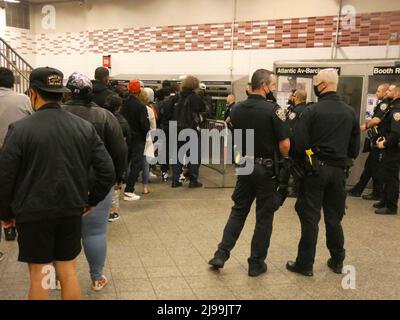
x,y
381,109
268,121
392,126
292,118
331,126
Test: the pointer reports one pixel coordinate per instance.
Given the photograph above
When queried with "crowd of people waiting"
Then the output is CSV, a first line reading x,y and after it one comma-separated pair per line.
x,y
59,141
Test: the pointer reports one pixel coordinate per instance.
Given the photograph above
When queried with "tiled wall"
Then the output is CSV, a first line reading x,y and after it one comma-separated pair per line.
x,y
371,29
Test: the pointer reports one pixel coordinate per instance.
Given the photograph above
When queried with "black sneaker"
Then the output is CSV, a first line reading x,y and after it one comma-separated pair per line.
x,y
293,267
216,263
353,193
335,267
176,184
195,184
385,211
371,197
10,234
113,217
379,205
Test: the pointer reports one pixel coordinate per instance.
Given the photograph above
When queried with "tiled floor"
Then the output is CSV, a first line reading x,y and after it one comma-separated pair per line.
x,y
160,247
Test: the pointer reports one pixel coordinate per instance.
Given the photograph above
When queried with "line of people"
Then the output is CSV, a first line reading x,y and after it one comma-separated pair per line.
x,y
63,161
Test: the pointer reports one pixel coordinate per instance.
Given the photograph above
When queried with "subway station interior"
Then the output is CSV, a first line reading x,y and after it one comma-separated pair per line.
x,y
96,209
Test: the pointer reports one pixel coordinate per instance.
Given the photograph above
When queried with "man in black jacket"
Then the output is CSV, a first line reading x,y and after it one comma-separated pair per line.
x,y
136,114
44,187
100,86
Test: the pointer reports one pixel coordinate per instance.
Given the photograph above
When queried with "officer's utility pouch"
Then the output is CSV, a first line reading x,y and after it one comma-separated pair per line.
x,y
312,165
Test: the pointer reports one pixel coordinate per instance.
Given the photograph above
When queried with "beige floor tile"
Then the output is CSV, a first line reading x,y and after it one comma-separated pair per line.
x,y
128,273
132,285
163,272
169,283
143,295
184,294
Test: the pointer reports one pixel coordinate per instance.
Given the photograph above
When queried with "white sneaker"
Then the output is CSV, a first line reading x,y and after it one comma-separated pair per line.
x,y
164,176
182,178
152,175
130,196
100,284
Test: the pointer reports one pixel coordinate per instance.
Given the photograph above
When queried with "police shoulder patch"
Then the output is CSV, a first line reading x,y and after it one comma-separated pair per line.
x,y
292,115
396,116
383,106
281,114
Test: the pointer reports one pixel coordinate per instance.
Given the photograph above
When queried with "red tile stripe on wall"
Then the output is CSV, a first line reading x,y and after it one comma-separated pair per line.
x,y
371,29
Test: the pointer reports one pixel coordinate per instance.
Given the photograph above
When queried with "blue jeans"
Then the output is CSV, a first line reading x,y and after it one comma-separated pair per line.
x,y
146,171
94,236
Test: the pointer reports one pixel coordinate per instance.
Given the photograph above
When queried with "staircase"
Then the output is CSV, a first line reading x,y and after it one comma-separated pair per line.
x,y
10,59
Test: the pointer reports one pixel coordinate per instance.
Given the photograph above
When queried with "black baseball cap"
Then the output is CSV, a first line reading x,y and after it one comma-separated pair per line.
x,y
48,80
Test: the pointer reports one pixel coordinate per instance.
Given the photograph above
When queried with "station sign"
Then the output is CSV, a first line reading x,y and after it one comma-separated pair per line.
x,y
383,71
302,71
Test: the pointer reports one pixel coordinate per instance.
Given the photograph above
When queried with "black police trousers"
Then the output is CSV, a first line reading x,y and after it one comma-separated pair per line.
x,y
372,169
391,164
327,191
260,186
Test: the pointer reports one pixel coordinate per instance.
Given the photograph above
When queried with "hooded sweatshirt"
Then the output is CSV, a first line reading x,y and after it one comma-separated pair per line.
x,y
100,91
13,107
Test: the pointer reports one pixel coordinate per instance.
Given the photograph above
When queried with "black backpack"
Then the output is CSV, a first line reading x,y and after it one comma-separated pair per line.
x,y
182,113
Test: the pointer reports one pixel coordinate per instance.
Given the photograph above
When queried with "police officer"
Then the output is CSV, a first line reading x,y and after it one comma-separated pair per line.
x,y
271,135
372,167
298,102
328,133
390,144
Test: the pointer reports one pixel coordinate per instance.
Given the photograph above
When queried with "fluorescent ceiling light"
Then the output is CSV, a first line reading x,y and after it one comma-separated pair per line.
x,y
12,1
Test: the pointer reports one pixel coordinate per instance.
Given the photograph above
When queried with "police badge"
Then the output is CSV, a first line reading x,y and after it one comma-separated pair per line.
x,y
383,106
281,114
292,115
396,116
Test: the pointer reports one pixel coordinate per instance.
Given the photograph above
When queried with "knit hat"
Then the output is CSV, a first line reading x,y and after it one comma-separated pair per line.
x,y
134,86
79,84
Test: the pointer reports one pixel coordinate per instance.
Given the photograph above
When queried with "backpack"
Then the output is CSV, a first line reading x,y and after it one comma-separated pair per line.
x,y
182,113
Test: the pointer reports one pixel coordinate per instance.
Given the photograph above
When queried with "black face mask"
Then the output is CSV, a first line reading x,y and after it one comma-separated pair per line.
x,y
290,102
247,93
316,91
270,96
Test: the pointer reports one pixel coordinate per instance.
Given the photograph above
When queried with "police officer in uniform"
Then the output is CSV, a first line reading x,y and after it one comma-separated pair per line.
x,y
328,132
390,144
271,135
372,167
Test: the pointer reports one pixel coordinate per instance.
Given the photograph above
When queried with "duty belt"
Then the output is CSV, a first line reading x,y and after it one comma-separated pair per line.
x,y
269,163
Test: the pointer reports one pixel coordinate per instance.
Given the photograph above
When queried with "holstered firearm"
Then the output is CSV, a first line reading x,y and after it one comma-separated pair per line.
x,y
283,168
373,134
